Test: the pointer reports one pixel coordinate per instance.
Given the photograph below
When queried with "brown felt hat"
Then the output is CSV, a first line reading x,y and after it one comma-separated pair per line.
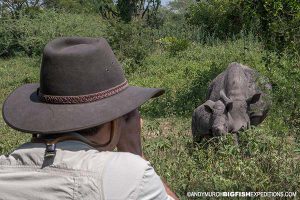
x,y
81,85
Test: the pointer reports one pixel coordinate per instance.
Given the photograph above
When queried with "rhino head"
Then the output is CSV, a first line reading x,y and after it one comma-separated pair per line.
x,y
239,113
219,116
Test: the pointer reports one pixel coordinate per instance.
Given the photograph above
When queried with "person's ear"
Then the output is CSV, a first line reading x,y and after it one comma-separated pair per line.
x,y
115,132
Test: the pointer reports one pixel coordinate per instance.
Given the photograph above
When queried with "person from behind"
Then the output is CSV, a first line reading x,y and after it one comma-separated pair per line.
x,y
82,109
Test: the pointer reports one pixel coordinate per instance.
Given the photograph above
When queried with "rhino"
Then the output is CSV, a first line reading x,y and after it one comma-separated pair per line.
x,y
239,84
238,89
211,119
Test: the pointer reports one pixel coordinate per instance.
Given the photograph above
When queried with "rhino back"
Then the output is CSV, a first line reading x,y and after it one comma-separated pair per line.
x,y
251,78
249,83
258,84
235,82
215,87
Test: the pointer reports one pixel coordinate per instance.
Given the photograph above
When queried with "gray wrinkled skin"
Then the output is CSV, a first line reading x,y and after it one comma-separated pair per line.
x,y
238,84
210,119
237,98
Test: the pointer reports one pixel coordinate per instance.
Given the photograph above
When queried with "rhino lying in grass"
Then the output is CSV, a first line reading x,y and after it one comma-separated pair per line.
x,y
235,102
210,119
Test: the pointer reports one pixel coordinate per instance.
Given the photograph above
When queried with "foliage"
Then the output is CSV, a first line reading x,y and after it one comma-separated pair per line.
x,y
276,21
30,34
173,44
132,42
279,24
222,18
13,8
106,8
127,10
180,6
176,10
71,6
284,73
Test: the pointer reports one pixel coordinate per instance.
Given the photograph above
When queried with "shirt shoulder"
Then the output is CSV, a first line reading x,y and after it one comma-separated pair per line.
x,y
128,176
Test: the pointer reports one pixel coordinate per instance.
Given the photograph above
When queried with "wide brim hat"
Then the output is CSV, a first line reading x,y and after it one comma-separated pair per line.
x,y
82,85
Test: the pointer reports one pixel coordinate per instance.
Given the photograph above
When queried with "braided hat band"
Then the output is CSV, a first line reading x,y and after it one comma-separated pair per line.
x,y
82,98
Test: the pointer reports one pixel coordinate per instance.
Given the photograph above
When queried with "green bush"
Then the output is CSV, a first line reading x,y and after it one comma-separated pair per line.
x,y
173,44
132,42
284,73
29,34
276,21
221,18
278,24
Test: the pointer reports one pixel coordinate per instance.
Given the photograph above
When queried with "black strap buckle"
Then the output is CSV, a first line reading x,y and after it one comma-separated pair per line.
x,y
50,150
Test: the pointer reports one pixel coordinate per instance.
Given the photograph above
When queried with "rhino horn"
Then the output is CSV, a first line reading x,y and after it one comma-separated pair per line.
x,y
228,102
224,98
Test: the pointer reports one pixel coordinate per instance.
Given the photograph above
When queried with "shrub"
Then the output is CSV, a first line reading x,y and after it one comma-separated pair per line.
x,y
276,21
222,18
173,44
132,42
29,34
284,73
279,24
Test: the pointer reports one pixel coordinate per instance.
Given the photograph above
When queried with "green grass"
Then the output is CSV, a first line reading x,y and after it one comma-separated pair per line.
x,y
268,157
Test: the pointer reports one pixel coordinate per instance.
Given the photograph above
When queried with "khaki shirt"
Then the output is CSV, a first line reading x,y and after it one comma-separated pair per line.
x,y
77,171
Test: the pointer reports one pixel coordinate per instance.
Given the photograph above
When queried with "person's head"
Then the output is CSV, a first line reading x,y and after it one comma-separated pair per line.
x,y
82,88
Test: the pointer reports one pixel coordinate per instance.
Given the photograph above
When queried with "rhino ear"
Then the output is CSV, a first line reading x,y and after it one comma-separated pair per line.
x,y
229,106
255,98
209,105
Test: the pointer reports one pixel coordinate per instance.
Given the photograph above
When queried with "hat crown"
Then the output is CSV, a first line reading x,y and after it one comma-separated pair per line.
x,y
79,66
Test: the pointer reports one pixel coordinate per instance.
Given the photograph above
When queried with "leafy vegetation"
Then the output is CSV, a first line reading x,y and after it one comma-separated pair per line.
x,y
183,59
173,44
131,41
28,35
279,24
222,18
